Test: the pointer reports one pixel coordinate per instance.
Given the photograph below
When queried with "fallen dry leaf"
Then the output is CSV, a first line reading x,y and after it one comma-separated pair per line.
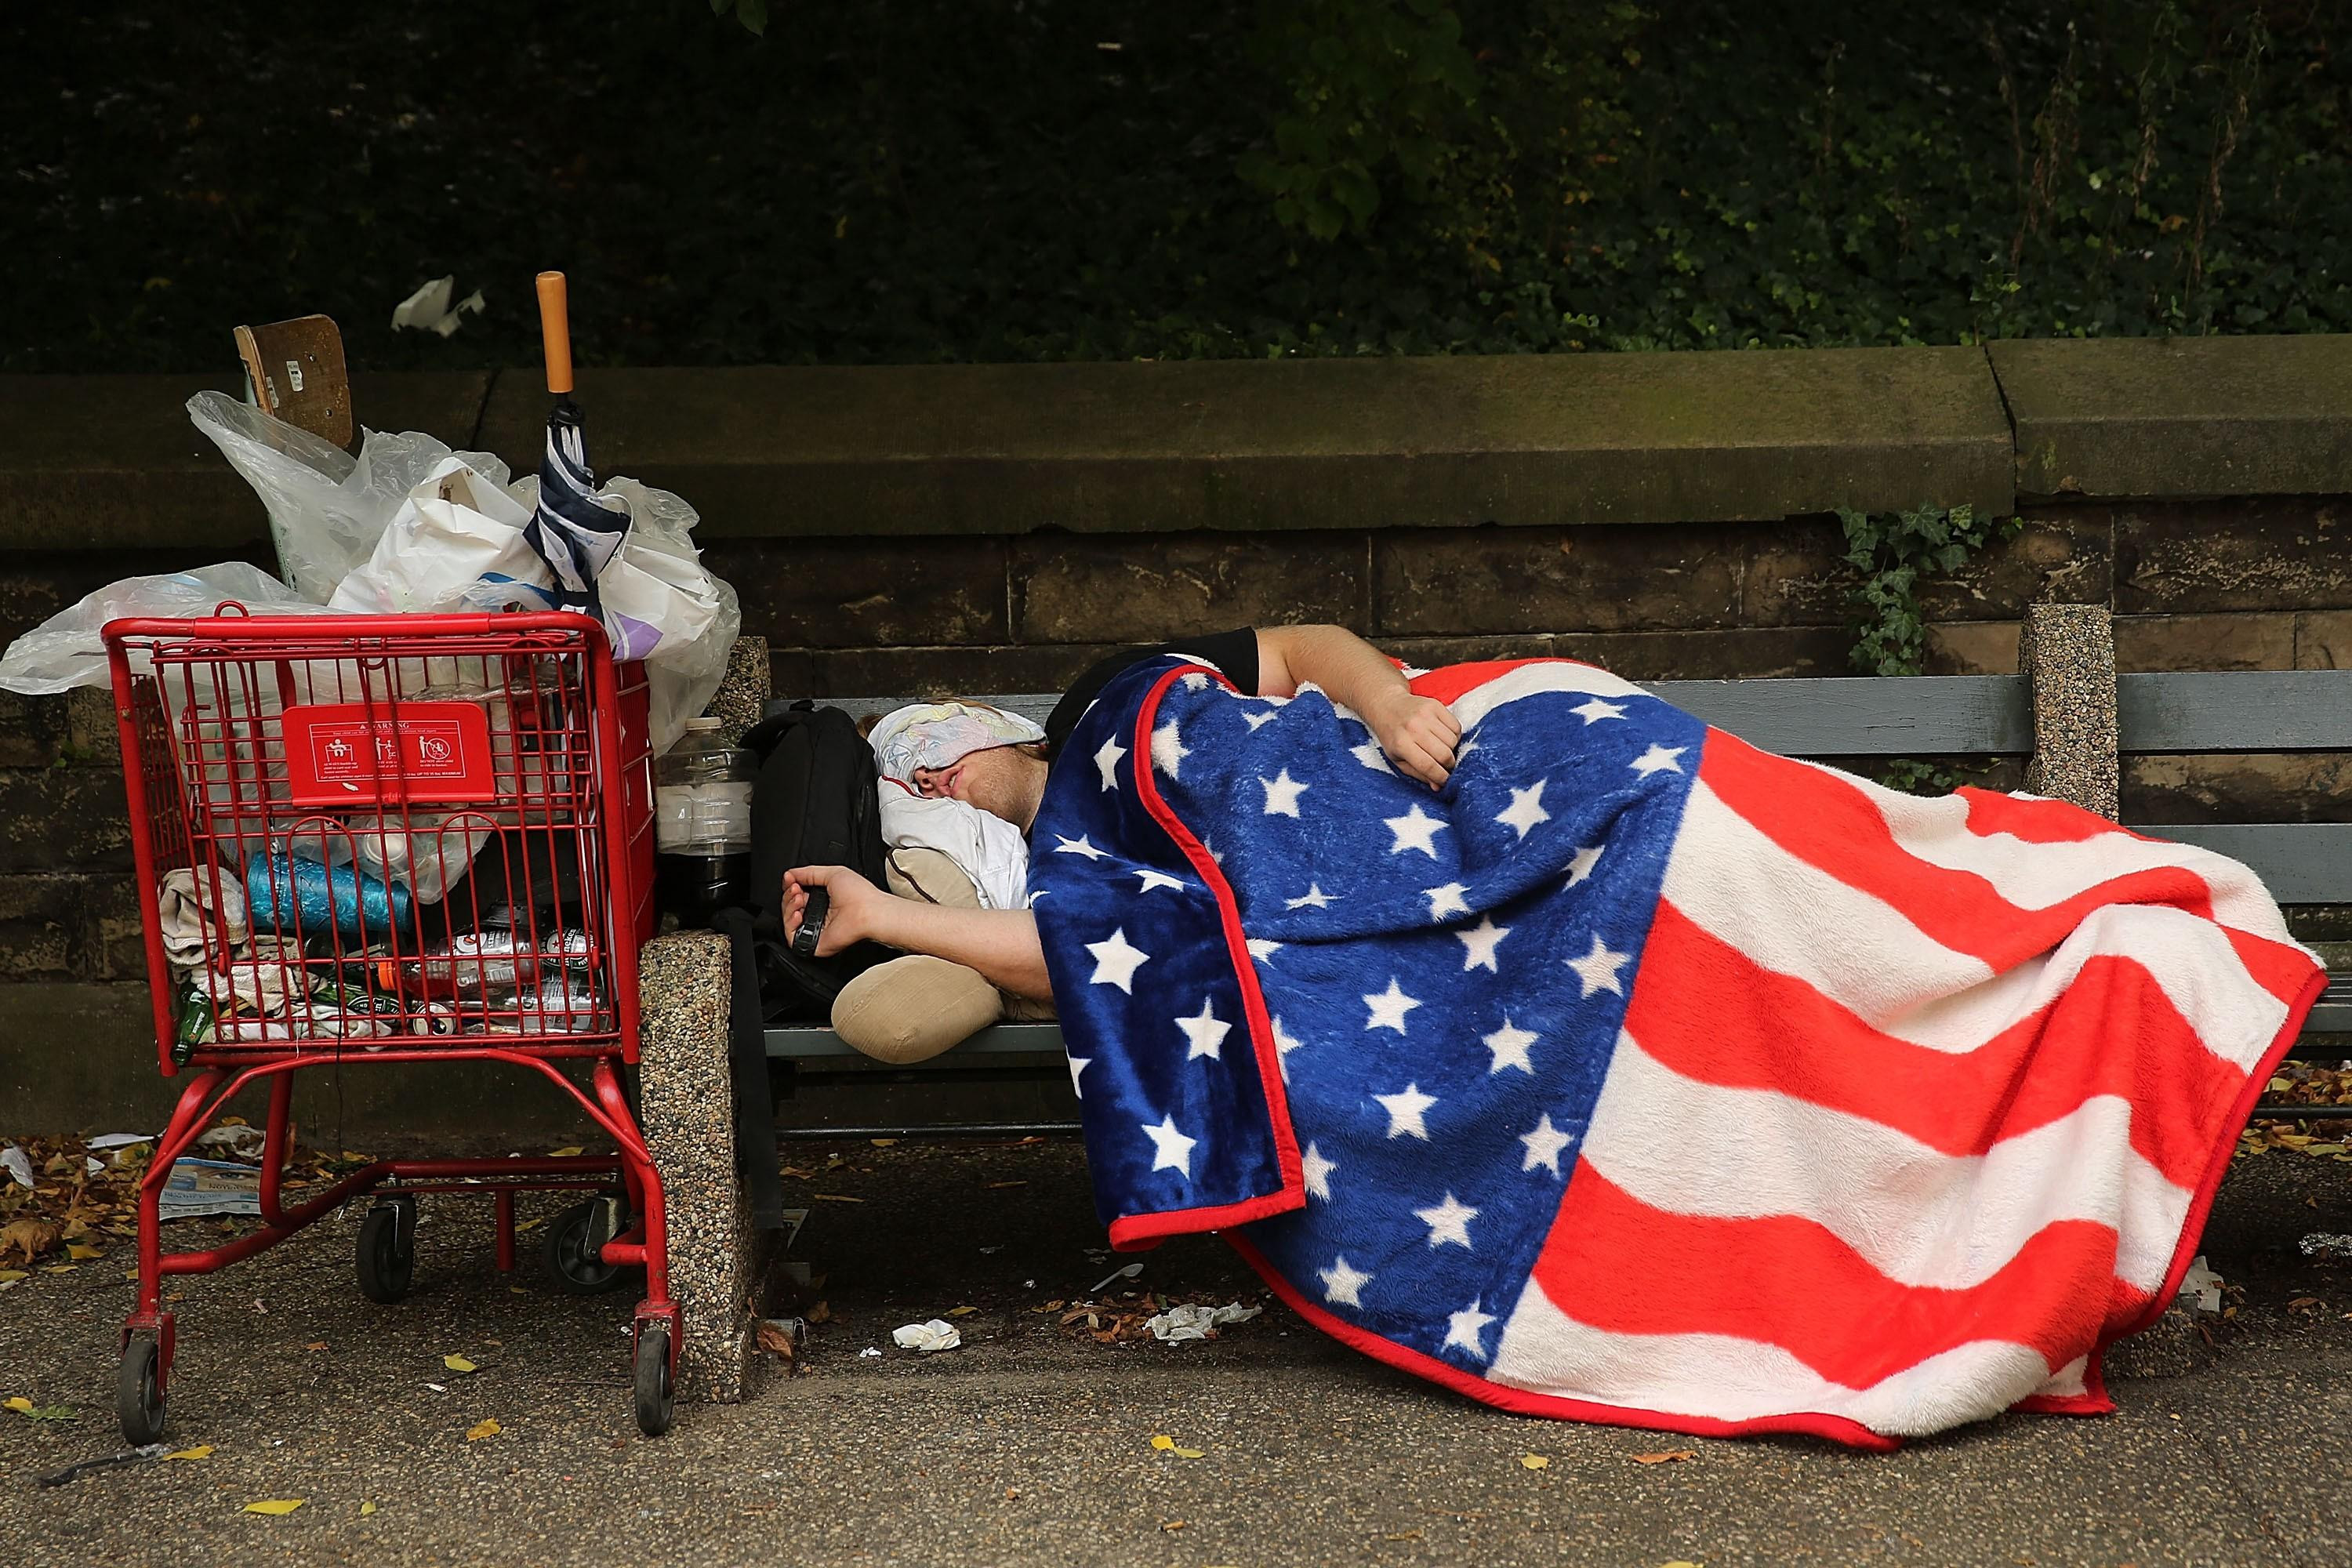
x,y
569,1152
2303,1303
316,1345
481,1429
30,1236
82,1253
993,1185
200,1451
276,1506
776,1340
836,1197
820,1313
1665,1456
1534,1462
17,1402
882,1142
961,1311
366,1509
458,1363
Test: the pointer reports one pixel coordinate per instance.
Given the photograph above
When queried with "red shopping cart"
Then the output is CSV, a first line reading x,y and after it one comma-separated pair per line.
x,y
393,839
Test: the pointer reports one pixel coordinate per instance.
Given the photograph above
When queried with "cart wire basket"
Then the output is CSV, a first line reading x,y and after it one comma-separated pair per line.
x,y
405,839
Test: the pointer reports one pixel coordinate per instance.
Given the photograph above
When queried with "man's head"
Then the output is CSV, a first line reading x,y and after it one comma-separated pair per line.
x,y
972,752
1005,781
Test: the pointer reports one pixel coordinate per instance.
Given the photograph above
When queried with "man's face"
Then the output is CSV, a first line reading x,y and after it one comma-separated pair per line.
x,y
989,778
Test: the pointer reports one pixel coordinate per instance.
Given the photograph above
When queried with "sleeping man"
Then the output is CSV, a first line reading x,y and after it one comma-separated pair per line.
x,y
969,964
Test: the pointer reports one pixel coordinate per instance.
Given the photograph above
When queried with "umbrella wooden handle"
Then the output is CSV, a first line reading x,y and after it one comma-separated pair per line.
x,y
555,331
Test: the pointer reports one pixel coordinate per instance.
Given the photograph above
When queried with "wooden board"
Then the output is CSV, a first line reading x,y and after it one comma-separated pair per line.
x,y
2299,862
297,375
2235,711
814,1040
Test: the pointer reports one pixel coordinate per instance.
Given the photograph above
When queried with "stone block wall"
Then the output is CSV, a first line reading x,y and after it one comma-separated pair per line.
x,y
997,529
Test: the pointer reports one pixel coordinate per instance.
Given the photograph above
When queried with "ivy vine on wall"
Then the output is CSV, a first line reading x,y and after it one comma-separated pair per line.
x,y
1892,554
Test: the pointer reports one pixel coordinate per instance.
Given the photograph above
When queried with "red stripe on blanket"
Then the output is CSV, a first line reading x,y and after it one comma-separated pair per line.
x,y
1826,821
1616,1264
1726,1020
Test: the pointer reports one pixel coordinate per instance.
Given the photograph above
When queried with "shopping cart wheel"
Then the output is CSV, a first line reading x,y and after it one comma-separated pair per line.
x,y
139,1392
575,1245
657,1408
387,1249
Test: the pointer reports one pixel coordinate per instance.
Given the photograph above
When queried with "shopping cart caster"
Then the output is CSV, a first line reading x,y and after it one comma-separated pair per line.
x,y
656,1401
139,1392
575,1245
387,1249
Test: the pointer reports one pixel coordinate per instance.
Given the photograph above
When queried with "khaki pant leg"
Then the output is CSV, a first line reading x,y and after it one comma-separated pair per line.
x,y
910,1009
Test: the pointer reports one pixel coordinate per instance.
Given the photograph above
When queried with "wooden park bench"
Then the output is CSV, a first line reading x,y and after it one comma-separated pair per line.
x,y
2070,716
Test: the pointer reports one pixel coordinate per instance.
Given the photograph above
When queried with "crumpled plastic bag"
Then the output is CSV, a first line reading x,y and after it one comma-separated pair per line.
x,y
1189,1321
65,650
939,1334
327,508
454,529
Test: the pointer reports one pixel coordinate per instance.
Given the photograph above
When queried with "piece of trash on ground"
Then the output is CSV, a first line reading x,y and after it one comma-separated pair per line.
x,y
1192,1321
2203,1284
239,1140
17,1163
1129,1272
869,1350
936,1335
105,1141
2323,1244
199,1187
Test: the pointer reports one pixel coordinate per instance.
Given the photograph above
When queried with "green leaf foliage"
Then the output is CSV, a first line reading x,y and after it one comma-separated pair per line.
x,y
915,181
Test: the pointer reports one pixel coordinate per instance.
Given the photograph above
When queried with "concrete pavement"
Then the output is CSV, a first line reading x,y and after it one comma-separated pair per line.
x,y
1030,1444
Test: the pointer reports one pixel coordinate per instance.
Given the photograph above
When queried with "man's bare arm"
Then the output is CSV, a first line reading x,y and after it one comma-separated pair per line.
x,y
1417,732
1000,943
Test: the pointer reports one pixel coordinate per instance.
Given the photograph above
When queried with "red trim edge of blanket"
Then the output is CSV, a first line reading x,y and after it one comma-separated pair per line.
x,y
1132,1233
1526,1401
2095,1399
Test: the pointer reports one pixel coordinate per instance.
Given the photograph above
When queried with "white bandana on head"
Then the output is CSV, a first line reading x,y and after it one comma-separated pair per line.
x,y
934,734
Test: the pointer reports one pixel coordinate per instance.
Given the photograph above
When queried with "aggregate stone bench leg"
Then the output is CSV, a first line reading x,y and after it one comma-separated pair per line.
x,y
686,1106
2067,654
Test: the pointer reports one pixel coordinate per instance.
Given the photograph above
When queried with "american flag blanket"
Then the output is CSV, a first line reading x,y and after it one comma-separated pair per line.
x,y
1639,1075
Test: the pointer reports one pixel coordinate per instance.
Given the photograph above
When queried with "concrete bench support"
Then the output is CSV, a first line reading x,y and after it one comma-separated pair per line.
x,y
2067,653
686,1106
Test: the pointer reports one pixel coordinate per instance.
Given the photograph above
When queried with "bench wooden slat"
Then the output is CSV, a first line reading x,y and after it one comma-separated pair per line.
x,y
2234,711
807,1041
2299,862
1806,716
1866,716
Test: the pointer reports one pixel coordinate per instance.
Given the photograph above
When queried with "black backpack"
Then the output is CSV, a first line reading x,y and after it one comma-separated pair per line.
x,y
813,804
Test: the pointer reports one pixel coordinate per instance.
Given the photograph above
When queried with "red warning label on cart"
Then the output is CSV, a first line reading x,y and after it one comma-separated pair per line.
x,y
338,753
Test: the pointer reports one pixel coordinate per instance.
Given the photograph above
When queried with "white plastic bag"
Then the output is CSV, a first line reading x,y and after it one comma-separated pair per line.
x,y
327,510
455,531
65,650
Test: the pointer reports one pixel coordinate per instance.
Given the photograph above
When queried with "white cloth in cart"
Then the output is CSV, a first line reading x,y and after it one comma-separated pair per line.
x,y
990,850
189,914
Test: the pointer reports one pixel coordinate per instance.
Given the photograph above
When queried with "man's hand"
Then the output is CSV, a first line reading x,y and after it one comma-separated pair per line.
x,y
857,905
1418,734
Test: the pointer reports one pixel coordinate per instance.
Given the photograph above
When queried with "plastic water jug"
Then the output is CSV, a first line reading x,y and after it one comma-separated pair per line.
x,y
702,823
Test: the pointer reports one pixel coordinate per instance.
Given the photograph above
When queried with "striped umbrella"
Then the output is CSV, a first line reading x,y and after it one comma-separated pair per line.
x,y
576,534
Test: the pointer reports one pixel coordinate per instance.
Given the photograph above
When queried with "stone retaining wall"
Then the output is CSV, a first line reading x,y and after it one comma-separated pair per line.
x,y
996,529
